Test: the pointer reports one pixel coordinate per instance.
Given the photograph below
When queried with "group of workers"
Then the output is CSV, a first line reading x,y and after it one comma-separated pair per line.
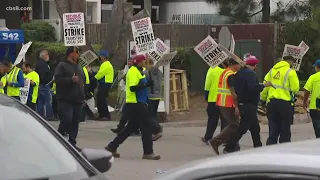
x,y
233,94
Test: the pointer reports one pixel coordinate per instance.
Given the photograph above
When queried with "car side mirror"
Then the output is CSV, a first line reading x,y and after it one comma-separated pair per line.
x,y
101,159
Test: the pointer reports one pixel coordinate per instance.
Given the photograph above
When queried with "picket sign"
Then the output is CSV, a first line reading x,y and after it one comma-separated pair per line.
x,y
166,59
233,44
22,53
160,50
87,58
24,91
210,52
143,35
74,29
296,52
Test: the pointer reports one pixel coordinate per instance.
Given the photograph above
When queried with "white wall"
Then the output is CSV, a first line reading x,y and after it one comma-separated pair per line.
x,y
53,14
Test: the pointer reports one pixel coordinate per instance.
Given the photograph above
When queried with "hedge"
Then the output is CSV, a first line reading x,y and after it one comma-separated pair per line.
x,y
56,50
39,31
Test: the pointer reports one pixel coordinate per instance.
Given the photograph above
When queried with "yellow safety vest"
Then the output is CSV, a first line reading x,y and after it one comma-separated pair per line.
x,y
132,79
54,88
35,78
3,80
86,74
105,71
212,81
313,86
12,77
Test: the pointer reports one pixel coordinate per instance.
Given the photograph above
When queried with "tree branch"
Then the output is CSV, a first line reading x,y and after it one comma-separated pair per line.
x,y
255,13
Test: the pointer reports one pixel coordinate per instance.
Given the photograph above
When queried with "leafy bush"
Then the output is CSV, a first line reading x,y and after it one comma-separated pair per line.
x,y
298,31
56,50
183,60
39,31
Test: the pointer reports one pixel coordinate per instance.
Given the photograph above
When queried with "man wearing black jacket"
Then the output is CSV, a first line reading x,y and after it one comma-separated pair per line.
x,y
247,88
45,75
70,81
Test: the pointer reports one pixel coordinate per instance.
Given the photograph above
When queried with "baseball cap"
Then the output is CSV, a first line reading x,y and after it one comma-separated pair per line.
x,y
71,50
103,53
138,59
251,60
317,63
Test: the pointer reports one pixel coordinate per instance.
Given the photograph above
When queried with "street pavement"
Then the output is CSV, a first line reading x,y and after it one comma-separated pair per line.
x,y
179,145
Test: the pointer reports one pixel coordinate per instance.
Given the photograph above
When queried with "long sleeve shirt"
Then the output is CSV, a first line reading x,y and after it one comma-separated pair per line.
x,y
247,86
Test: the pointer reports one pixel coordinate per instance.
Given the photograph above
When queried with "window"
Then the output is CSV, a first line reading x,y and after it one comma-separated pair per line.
x,y
29,151
262,176
89,12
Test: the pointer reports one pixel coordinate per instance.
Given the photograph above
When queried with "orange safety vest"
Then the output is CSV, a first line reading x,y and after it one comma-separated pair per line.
x,y
224,97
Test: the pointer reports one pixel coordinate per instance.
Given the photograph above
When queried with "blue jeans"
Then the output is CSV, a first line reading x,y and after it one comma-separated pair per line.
x,y
44,101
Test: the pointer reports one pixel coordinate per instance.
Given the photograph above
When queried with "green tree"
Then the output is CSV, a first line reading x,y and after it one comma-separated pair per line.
x,y
241,11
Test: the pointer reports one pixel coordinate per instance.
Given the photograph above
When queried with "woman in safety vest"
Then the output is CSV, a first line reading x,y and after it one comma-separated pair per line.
x,y
3,78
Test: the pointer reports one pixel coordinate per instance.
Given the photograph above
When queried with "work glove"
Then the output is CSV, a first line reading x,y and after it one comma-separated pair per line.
x,y
150,83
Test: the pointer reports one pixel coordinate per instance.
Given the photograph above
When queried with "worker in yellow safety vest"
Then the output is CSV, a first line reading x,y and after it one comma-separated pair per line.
x,y
211,92
285,84
313,86
3,78
105,77
15,80
34,85
227,102
88,93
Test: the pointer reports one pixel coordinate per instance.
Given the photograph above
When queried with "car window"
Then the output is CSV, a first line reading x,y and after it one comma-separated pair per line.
x,y
29,151
262,176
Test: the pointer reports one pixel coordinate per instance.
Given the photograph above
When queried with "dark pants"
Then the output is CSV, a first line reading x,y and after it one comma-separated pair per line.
x,y
44,101
214,114
31,105
279,113
102,103
124,119
315,116
228,113
138,113
249,121
54,106
153,111
70,114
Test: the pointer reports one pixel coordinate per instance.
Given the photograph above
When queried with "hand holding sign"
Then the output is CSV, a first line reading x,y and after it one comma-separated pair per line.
x,y
75,78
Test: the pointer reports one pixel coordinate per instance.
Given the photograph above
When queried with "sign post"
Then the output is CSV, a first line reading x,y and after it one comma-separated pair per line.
x,y
143,35
74,29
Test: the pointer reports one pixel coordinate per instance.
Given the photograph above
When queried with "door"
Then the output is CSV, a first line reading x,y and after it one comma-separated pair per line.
x,y
253,47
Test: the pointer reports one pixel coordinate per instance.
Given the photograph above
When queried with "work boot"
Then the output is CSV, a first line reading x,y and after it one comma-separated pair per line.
x,y
203,139
215,145
151,157
116,130
104,119
156,136
114,153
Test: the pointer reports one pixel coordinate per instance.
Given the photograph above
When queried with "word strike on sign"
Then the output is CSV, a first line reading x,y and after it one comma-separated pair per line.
x,y
213,54
155,55
144,38
74,32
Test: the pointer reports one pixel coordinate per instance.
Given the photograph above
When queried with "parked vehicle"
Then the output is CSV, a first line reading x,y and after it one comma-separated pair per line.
x,y
30,148
290,161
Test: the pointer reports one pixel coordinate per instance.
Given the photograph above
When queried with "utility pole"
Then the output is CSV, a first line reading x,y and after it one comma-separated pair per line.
x,y
147,5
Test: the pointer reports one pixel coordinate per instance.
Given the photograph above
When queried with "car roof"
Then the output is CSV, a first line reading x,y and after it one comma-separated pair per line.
x,y
6,99
301,157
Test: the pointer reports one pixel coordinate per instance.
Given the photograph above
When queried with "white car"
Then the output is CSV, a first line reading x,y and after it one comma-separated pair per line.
x,y
290,161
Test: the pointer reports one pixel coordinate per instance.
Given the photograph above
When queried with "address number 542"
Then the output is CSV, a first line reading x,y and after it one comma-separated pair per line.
x,y
10,36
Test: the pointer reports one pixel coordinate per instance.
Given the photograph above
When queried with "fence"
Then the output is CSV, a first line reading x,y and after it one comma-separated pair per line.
x,y
179,35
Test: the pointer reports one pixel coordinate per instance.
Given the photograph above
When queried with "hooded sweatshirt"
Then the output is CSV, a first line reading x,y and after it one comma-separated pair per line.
x,y
156,76
277,76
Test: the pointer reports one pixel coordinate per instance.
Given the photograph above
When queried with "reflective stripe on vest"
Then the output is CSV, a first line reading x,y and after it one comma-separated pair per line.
x,y
224,91
12,77
286,78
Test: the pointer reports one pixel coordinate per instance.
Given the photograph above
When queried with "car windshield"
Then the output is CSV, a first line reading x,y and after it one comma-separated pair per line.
x,y
29,151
